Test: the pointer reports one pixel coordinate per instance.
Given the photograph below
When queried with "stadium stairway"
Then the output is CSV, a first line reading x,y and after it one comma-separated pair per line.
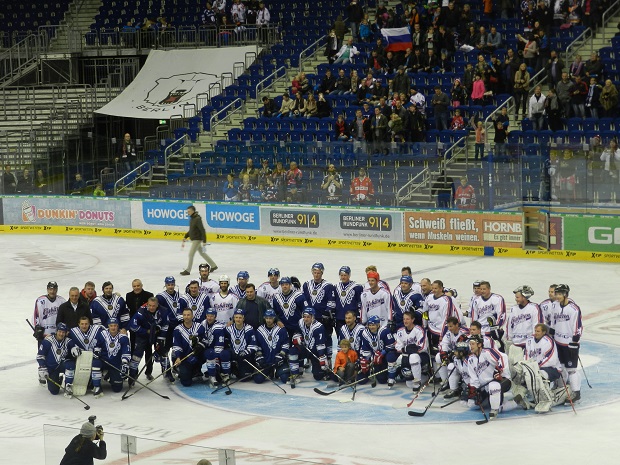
x,y
76,22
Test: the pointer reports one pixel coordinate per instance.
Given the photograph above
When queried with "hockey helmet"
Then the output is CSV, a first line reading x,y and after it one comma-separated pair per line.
x,y
374,320
450,290
462,347
52,285
525,290
204,266
269,313
243,275
345,269
61,327
285,280
239,311
318,266
112,321
273,272
309,311
477,282
406,279
211,311
562,289
169,280
224,279
477,339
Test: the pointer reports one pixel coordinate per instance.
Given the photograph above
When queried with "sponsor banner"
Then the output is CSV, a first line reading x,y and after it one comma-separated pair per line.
x,y
591,233
66,211
465,229
335,223
232,216
1,215
161,215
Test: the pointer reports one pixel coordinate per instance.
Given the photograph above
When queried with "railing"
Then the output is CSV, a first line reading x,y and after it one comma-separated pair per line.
x,y
416,183
607,16
18,58
508,104
314,45
214,119
173,149
22,97
263,86
575,47
143,171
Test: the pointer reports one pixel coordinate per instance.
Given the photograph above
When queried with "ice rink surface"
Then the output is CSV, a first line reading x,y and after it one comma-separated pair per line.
x,y
301,424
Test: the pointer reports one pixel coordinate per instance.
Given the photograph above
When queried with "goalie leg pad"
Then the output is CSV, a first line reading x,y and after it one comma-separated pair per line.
x,y
495,394
83,366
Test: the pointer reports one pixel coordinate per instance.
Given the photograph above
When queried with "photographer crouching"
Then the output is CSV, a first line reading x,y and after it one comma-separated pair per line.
x,y
82,449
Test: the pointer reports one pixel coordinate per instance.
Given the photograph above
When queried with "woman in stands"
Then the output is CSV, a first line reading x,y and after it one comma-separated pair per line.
x,y
521,89
311,106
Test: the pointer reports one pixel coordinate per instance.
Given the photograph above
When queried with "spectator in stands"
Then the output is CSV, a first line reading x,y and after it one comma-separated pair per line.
x,y
328,83
245,189
346,53
507,9
286,108
355,82
9,180
567,176
300,105
311,106
553,111
440,103
563,89
577,67
574,12
343,84
481,139
128,34
375,62
294,177
262,20
365,32
25,183
458,94
355,14
396,128
264,173
443,188
501,136
339,29
536,109
593,98
468,77
251,171
554,67
503,117
530,50
417,38
269,107
332,185
609,99
432,62
457,122
511,65
471,37
445,41
379,124
418,100
379,92
231,188
269,191
578,94
128,152
300,84
99,192
238,12
331,48
594,67
493,41
40,182
341,130
78,185
323,109
362,189
478,90
208,16
360,129
521,89
416,124
465,195
279,180
495,77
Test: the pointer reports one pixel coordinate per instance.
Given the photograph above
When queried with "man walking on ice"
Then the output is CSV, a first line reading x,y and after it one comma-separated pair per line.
x,y
198,236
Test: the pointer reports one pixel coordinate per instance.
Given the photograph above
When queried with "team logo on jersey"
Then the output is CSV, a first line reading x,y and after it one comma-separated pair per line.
x,y
58,351
285,305
343,293
269,338
237,341
111,345
110,307
314,292
402,302
194,307
85,340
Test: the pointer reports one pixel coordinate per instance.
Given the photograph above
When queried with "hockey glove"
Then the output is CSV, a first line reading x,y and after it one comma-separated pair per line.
x,y
472,392
364,365
39,333
497,374
242,353
445,356
425,316
260,360
497,333
97,351
576,338
279,359
160,346
551,331
323,362
125,370
298,340
573,347
378,357
411,349
43,374
75,351
295,282
192,360
199,348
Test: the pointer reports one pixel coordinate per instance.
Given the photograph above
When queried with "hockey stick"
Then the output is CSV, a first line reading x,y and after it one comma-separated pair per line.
x,y
451,402
430,380
568,395
157,377
262,373
584,373
227,385
486,419
132,379
86,406
346,386
124,396
421,414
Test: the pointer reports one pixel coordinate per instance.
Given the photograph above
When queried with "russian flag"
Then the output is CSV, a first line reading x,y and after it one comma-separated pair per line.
x,y
398,39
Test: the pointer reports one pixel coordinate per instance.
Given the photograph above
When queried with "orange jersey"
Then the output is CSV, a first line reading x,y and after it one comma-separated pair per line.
x,y
342,359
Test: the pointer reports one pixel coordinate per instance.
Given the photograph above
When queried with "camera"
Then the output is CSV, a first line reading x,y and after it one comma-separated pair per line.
x,y
99,428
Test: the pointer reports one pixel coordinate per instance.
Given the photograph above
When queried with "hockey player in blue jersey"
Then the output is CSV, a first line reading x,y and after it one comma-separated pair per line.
x,y
321,296
109,305
187,352
198,302
242,281
83,338
51,358
288,305
348,296
273,345
150,325
114,351
309,343
212,343
241,341
377,349
352,331
405,299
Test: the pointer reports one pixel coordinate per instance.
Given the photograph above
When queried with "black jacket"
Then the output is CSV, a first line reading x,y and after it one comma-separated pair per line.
x,y
82,451
196,229
71,317
254,317
135,301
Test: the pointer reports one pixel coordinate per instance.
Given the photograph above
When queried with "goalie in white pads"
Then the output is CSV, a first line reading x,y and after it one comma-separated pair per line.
x,y
82,342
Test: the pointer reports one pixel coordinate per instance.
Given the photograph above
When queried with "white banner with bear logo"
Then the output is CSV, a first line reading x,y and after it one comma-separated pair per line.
x,y
172,78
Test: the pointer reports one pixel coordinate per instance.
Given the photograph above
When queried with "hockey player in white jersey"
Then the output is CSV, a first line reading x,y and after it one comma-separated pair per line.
x,y
224,302
411,346
566,329
458,370
83,338
475,329
270,287
376,301
109,305
380,282
351,330
114,351
455,334
46,311
522,317
546,306
486,305
207,285
198,302
242,281
489,377
438,307
51,358
476,293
